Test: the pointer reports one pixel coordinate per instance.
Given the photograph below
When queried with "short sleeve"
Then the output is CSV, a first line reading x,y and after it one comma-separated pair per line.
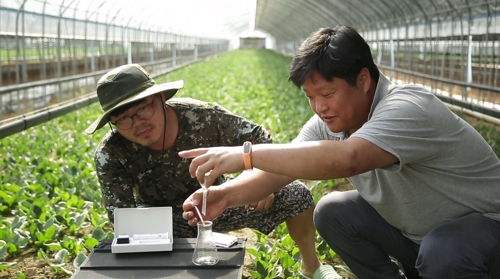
x,y
315,129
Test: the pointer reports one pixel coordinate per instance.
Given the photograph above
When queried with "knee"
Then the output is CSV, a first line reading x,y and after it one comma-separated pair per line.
x,y
328,210
441,255
295,196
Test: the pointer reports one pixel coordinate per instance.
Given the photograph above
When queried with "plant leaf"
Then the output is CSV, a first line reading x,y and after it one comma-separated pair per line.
x,y
79,260
61,256
5,265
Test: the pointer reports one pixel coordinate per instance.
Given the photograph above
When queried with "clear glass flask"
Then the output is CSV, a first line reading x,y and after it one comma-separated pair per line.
x,y
205,251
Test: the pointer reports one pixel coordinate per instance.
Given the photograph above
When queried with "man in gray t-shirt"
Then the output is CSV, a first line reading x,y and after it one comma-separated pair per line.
x,y
427,184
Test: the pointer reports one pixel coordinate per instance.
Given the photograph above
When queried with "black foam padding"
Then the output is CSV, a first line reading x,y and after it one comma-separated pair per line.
x,y
180,256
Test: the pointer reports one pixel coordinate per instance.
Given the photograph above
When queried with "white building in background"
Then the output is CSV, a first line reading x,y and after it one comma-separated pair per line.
x,y
253,39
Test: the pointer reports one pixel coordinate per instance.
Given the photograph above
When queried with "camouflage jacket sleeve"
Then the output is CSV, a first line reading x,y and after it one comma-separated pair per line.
x,y
116,183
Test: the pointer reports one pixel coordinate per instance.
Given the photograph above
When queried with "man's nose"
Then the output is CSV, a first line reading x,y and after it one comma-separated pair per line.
x,y
320,105
137,119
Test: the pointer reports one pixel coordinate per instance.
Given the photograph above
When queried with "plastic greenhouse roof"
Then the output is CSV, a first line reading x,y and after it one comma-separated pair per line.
x,y
284,20
204,18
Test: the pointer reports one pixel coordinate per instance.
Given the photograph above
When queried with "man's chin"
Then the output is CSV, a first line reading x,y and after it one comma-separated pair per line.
x,y
335,129
142,139
151,143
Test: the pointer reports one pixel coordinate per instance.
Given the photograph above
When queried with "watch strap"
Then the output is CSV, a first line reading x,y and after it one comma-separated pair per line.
x,y
247,155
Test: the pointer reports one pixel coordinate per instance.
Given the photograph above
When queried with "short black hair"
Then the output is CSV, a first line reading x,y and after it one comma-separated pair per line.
x,y
338,52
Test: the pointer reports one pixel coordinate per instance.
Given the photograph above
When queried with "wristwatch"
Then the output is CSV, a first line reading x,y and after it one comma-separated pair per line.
x,y
247,155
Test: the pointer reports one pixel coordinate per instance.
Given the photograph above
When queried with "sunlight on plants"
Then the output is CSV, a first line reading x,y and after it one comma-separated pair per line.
x,y
50,197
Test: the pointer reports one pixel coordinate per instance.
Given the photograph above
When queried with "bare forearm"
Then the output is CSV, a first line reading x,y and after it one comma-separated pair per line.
x,y
315,160
253,186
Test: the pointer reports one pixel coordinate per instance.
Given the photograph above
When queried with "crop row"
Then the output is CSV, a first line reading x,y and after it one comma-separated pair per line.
x,y
50,202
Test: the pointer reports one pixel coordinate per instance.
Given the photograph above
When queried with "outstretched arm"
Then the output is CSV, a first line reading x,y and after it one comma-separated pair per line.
x,y
313,160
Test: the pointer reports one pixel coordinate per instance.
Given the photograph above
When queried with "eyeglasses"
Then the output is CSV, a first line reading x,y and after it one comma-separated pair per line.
x,y
145,112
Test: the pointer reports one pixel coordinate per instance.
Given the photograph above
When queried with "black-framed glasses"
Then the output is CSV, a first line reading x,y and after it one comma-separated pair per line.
x,y
145,112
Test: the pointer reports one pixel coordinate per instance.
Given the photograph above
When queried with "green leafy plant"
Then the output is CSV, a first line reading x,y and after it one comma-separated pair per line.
x,y
50,199
266,259
3,254
13,235
58,263
10,196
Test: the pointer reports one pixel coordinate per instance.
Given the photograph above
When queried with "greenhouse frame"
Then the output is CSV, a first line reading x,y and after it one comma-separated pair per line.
x,y
124,104
52,51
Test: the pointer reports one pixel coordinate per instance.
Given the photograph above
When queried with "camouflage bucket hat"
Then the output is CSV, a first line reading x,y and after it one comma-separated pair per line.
x,y
127,84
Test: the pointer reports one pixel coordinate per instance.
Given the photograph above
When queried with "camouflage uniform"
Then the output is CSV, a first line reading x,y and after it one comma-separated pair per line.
x,y
132,175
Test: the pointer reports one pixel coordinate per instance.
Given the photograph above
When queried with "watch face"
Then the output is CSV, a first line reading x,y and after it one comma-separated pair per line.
x,y
246,148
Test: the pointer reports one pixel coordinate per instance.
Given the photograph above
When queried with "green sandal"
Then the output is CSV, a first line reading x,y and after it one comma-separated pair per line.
x,y
303,276
326,272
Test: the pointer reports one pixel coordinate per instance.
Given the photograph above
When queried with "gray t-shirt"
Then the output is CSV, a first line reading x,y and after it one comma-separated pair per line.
x,y
446,169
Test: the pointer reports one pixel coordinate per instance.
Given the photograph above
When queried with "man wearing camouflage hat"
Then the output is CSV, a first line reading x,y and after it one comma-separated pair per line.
x,y
137,162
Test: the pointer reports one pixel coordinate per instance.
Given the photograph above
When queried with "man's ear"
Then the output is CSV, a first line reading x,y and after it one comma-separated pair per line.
x,y
364,79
